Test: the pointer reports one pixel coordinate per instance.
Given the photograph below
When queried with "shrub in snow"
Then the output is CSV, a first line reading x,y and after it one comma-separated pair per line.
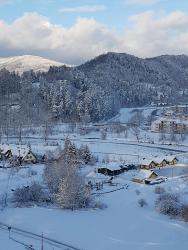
x,y
168,204
85,155
99,205
137,192
32,172
159,190
29,195
142,202
3,201
184,213
103,135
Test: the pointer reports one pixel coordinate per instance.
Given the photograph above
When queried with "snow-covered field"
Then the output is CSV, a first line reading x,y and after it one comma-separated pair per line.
x,y
126,114
122,225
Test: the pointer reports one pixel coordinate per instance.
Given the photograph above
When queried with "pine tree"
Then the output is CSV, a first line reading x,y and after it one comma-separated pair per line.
x,y
85,154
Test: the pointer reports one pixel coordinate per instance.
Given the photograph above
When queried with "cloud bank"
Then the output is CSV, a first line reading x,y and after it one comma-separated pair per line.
x,y
144,2
148,34
84,8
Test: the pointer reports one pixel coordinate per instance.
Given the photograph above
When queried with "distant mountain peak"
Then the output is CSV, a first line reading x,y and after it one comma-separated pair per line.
x,y
24,63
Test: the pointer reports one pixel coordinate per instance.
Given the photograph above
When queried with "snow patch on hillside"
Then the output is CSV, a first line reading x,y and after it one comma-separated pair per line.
x,y
24,63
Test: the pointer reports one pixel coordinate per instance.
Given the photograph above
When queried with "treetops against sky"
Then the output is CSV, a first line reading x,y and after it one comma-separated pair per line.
x,y
73,31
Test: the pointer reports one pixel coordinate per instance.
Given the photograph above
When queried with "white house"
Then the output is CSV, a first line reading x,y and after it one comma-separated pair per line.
x,y
170,125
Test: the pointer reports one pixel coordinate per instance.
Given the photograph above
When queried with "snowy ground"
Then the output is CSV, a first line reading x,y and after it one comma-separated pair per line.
x,y
122,225
126,114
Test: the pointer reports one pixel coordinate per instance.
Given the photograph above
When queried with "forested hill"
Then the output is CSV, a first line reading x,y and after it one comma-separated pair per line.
x,y
139,81
95,90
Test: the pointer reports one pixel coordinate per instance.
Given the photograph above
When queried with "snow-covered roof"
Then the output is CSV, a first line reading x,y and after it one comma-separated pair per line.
x,y
94,175
22,152
144,174
113,167
17,150
157,159
4,148
146,161
170,157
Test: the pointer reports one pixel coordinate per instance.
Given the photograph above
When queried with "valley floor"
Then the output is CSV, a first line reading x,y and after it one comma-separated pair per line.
x,y
122,225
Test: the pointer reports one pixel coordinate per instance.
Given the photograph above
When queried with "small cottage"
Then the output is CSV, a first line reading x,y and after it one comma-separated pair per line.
x,y
29,157
163,163
144,176
172,160
147,164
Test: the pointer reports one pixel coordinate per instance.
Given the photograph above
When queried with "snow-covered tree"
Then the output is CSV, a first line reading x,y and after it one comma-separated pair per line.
x,y
85,155
64,179
72,192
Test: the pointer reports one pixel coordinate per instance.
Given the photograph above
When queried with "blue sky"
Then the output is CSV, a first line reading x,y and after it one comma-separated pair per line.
x,y
74,31
115,13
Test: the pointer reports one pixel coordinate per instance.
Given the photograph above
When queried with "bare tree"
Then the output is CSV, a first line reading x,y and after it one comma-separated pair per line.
x,y
103,134
136,132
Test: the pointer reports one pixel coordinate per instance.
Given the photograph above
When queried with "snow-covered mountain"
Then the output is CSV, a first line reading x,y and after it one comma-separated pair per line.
x,y
27,62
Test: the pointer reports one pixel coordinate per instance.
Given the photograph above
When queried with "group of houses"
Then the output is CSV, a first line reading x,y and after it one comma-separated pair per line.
x,y
145,164
174,119
169,125
17,155
158,162
141,176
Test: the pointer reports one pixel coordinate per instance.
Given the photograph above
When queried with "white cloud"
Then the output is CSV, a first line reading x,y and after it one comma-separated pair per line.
x,y
3,2
144,2
156,33
84,8
149,34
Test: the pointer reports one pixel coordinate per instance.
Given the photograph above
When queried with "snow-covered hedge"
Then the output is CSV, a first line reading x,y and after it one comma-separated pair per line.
x,y
30,195
168,204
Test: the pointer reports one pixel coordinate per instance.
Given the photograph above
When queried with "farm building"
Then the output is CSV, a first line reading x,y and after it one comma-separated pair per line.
x,y
145,176
112,170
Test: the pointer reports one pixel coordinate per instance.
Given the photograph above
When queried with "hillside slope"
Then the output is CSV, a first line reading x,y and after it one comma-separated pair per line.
x,y
138,78
27,62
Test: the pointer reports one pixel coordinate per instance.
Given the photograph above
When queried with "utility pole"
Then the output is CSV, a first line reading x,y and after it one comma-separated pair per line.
x,y
20,133
42,246
9,229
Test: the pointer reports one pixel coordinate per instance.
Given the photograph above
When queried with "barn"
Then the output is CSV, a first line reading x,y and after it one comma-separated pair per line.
x,y
112,170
